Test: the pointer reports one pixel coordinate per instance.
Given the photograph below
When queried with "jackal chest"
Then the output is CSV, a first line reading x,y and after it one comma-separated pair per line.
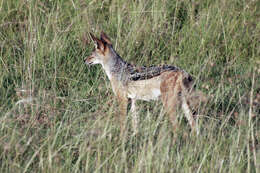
x,y
144,89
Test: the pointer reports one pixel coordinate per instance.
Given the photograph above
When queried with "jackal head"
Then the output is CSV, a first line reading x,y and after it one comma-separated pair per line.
x,y
100,54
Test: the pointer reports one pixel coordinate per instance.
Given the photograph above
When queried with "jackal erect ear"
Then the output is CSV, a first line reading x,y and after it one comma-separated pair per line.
x,y
105,38
98,43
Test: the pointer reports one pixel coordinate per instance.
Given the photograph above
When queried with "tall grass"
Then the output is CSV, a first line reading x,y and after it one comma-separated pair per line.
x,y
58,115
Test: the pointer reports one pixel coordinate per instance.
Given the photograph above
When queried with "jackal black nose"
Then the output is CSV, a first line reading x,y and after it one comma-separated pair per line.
x,y
88,60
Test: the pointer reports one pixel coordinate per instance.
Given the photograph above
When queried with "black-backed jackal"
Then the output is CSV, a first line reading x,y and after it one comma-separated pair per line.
x,y
171,84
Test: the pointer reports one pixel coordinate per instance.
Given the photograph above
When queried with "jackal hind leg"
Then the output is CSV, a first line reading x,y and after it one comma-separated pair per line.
x,y
187,112
170,105
169,96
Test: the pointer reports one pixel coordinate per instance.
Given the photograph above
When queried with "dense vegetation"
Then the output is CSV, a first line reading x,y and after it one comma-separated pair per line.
x,y
59,115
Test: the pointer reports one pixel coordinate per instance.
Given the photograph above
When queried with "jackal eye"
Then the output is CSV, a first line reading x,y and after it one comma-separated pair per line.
x,y
90,58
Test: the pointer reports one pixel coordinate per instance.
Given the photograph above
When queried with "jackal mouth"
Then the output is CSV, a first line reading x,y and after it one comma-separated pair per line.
x,y
88,63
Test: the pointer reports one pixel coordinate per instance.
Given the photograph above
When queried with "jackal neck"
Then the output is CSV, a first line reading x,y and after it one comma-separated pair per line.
x,y
116,67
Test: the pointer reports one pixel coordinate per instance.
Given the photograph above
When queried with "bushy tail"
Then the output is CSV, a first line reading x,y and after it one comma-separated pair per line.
x,y
195,98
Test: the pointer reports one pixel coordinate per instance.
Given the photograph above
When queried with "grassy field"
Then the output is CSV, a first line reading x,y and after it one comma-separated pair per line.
x,y
59,115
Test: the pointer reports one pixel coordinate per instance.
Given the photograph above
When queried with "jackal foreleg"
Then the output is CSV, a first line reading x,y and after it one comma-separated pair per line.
x,y
134,116
122,101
